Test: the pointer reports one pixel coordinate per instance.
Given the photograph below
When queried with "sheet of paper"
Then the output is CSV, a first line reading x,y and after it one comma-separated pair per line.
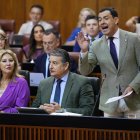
x,y
35,78
113,99
66,114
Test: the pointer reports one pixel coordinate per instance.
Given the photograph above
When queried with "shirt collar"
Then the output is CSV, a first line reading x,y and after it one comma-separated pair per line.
x,y
96,37
116,35
64,78
37,23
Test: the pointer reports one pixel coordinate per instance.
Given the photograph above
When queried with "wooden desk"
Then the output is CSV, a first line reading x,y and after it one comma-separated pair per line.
x,y
46,127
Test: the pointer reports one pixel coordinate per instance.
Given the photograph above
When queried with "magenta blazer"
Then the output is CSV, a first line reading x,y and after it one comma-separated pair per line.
x,y
17,94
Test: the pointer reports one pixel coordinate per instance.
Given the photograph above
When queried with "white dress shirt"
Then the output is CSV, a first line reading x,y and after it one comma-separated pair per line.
x,y
47,65
116,41
26,28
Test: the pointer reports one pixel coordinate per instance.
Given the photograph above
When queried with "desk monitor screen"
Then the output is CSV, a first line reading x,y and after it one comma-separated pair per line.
x,y
68,48
35,78
16,46
27,66
31,110
17,39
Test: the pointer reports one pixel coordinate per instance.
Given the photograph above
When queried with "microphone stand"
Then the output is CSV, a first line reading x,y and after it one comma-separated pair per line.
x,y
98,96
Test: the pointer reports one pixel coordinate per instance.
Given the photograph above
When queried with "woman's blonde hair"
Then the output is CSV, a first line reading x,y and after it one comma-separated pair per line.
x,y
92,13
13,55
4,36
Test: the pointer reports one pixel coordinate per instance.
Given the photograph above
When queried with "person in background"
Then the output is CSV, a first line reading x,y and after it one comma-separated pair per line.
x,y
117,53
51,41
64,90
14,90
3,40
133,24
80,25
35,46
35,14
92,31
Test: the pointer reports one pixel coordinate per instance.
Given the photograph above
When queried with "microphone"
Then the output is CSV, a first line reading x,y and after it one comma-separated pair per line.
x,y
98,96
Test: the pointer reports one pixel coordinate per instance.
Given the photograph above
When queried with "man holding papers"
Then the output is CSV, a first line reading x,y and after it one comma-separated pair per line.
x,y
117,53
64,90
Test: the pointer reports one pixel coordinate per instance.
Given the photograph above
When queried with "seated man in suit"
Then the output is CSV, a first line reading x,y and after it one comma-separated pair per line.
x,y
64,89
51,41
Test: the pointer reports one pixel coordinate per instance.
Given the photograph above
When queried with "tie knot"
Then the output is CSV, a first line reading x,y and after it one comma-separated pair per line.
x,y
111,38
59,81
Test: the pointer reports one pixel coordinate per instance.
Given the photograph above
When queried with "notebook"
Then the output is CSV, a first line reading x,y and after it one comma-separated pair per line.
x,y
31,110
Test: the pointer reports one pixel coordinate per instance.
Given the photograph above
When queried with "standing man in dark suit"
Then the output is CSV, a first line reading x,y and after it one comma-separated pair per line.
x,y
75,91
117,53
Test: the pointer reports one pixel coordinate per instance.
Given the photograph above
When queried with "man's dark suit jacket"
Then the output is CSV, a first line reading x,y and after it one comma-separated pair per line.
x,y
40,65
78,95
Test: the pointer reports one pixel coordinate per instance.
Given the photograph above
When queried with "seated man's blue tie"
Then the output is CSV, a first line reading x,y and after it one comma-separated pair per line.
x,y
113,52
57,91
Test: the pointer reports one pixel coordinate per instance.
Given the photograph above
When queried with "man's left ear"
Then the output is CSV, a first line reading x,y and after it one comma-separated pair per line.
x,y
67,65
116,20
58,43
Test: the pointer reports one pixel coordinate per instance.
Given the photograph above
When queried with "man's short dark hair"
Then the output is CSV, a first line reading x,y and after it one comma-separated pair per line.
x,y
52,31
39,7
91,17
112,11
61,53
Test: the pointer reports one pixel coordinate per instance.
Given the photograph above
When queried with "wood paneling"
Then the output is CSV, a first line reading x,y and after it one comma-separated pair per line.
x,y
125,8
12,132
66,11
13,9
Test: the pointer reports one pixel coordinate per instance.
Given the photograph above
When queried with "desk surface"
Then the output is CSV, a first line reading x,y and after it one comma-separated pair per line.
x,y
70,121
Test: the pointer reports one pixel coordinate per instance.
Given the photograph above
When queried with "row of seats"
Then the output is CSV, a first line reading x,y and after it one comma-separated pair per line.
x,y
19,52
8,25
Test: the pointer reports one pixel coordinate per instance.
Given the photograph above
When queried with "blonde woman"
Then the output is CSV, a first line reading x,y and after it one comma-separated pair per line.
x,y
80,25
14,90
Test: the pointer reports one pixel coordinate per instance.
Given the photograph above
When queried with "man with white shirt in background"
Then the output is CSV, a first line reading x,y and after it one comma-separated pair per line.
x,y
35,14
133,24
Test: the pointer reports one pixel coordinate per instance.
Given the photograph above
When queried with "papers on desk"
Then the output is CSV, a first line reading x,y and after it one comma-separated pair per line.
x,y
66,114
35,78
113,99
